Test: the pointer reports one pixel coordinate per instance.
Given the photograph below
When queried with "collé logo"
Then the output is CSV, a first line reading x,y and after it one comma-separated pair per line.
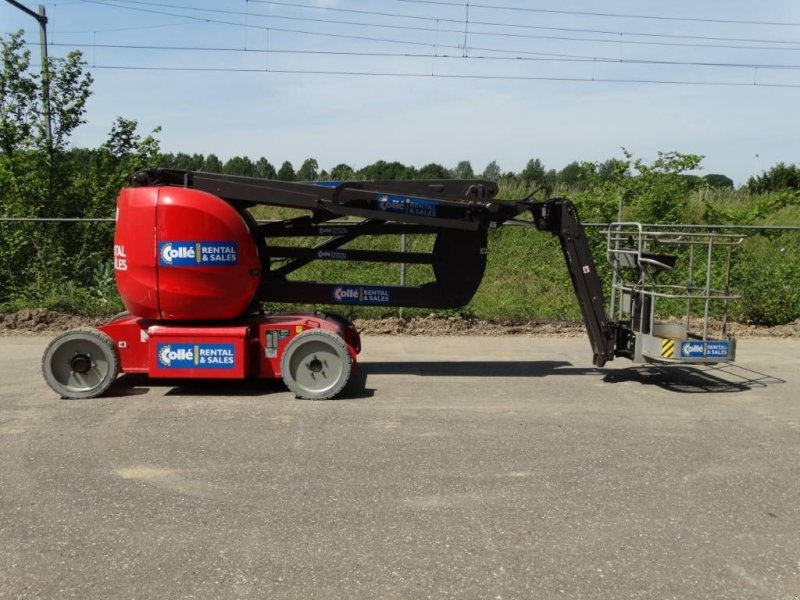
x,y
346,294
194,254
693,349
718,349
353,294
404,204
196,356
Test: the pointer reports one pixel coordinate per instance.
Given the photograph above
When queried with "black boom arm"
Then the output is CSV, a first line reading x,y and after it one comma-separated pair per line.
x,y
560,218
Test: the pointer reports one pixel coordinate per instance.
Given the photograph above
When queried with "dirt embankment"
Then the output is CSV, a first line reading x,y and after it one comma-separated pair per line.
x,y
41,322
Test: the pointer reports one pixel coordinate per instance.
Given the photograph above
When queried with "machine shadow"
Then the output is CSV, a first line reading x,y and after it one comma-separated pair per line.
x,y
475,368
704,379
136,385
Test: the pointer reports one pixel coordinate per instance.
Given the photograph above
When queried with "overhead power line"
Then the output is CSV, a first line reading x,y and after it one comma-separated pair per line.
x,y
448,76
437,20
540,57
597,14
117,4
131,28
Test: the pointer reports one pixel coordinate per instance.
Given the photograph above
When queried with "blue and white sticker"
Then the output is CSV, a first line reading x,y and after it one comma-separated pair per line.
x,y
359,294
196,356
198,254
418,207
706,349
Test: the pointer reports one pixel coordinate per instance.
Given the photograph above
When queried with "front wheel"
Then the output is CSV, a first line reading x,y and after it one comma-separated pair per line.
x,y
316,365
81,363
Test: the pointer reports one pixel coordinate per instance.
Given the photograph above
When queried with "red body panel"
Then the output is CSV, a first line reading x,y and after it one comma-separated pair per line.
x,y
198,352
183,255
130,336
135,251
250,346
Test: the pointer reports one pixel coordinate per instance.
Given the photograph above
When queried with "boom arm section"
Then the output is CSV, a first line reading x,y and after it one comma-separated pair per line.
x,y
560,218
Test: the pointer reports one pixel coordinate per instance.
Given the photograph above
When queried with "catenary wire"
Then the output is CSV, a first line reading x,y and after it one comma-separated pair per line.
x,y
472,22
542,57
269,71
599,14
110,3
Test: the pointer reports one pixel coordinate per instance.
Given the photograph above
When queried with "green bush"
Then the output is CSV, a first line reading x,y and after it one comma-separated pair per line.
x,y
767,275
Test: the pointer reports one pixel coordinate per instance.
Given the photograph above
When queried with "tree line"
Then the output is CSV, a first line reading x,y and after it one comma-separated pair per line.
x,y
574,175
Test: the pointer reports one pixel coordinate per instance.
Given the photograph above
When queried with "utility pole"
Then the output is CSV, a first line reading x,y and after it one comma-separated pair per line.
x,y
41,18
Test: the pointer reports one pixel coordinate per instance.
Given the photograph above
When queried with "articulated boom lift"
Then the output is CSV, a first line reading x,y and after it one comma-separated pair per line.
x,y
193,267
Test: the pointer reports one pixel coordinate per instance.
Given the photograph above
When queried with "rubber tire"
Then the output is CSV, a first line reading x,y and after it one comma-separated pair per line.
x,y
301,348
89,341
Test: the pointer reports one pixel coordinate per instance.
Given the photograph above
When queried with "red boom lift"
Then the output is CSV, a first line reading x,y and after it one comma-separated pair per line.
x,y
193,267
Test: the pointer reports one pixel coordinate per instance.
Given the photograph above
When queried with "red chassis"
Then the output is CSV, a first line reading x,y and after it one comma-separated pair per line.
x,y
314,353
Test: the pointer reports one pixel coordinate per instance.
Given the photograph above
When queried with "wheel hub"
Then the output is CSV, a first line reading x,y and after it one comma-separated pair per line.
x,y
314,365
81,363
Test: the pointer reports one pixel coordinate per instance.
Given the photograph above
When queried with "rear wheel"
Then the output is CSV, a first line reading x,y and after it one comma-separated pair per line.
x,y
316,365
81,363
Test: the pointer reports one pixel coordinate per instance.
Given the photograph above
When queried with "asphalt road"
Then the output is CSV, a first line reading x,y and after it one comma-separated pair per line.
x,y
467,468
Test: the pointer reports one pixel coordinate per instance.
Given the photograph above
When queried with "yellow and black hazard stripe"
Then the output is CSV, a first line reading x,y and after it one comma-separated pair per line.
x,y
668,348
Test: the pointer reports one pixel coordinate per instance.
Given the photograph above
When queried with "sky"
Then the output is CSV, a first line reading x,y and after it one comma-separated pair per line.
x,y
420,81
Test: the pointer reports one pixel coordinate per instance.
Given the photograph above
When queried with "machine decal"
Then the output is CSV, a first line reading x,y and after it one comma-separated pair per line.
x,y
332,254
198,254
359,294
271,343
196,356
272,339
717,349
120,258
333,231
668,348
418,207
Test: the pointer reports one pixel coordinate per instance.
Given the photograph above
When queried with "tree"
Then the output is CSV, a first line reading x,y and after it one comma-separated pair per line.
x,y
239,165
573,174
780,177
342,172
35,164
656,192
534,171
715,180
183,162
265,170
40,265
308,171
463,170
492,171
433,171
212,164
382,170
286,172
613,169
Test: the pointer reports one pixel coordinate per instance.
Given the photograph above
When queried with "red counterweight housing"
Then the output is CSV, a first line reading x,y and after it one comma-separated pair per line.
x,y
182,254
